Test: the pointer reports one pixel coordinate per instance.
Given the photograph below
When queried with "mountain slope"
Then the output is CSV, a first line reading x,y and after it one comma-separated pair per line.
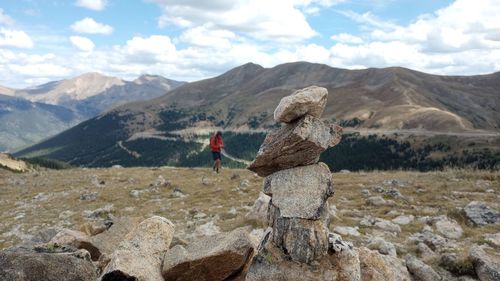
x,y
23,122
243,100
93,93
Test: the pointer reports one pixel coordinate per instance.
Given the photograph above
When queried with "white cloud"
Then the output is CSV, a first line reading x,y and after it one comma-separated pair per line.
x,y
260,19
347,38
82,43
89,25
205,36
15,38
5,19
97,5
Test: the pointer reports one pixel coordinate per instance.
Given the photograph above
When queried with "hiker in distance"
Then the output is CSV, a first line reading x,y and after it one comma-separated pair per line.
x,y
216,144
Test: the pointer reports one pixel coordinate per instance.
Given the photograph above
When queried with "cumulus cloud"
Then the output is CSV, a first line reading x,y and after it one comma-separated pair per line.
x,y
5,19
259,19
347,38
97,5
457,39
82,43
15,38
89,25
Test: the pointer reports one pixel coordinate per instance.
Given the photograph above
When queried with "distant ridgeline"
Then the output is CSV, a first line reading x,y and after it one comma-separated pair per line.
x,y
103,146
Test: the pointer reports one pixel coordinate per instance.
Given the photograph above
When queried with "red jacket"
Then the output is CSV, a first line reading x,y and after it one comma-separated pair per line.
x,y
216,143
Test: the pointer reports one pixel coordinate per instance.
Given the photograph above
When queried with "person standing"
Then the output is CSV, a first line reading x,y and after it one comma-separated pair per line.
x,y
216,144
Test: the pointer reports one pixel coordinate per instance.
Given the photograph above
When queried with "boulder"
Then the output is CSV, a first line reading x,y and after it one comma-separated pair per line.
x,y
271,264
302,240
493,239
377,267
140,254
209,258
76,239
376,201
403,219
259,208
310,101
108,240
296,144
347,230
19,265
382,246
300,192
421,270
481,214
380,223
487,265
449,228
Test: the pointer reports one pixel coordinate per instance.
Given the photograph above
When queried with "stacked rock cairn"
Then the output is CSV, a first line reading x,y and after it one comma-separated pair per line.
x,y
299,187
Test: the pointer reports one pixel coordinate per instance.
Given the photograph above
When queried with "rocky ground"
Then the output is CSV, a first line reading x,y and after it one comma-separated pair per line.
x,y
397,213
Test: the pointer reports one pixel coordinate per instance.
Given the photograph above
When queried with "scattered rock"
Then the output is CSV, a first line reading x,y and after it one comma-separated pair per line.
x,y
209,258
91,196
161,182
259,208
296,144
103,212
310,101
376,201
494,239
140,254
481,214
380,223
178,193
27,266
76,239
347,230
449,228
453,264
403,219
300,192
421,270
382,246
207,229
377,267
487,265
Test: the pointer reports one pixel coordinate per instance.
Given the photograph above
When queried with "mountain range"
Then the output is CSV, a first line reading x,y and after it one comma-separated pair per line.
x,y
32,114
243,100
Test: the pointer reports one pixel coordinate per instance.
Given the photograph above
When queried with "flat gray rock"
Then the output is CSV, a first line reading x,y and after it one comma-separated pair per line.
x,y
303,240
421,270
481,214
21,265
487,265
300,192
310,101
297,144
209,258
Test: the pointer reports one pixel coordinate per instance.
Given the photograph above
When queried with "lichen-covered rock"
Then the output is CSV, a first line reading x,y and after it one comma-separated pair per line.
x,y
19,265
210,258
76,239
302,240
487,265
107,241
300,192
271,264
297,144
377,267
140,254
481,214
310,100
421,270
449,228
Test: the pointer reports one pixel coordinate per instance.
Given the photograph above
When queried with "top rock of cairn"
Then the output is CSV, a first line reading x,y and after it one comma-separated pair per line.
x,y
308,101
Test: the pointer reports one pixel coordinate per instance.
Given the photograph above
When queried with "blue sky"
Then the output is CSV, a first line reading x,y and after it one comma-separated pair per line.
x,y
44,40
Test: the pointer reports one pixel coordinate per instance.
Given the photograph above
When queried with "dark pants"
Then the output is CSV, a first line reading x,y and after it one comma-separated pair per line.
x,y
216,155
